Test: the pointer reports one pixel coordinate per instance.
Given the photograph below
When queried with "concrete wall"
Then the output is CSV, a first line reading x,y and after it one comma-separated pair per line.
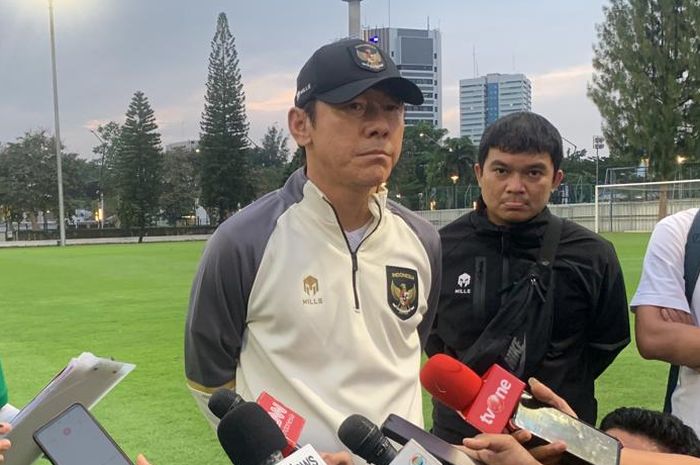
x,y
616,217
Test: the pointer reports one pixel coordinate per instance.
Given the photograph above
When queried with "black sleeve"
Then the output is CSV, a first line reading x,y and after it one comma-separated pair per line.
x,y
609,330
216,316
425,328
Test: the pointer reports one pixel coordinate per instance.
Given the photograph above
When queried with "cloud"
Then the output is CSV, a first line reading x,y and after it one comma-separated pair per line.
x,y
272,92
561,82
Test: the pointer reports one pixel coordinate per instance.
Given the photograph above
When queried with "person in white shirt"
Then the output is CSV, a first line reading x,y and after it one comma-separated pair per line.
x,y
666,323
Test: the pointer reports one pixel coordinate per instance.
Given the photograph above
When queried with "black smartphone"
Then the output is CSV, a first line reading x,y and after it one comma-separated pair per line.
x,y
74,437
401,431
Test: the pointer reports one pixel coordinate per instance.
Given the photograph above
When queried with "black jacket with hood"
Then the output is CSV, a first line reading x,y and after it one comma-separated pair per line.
x,y
590,324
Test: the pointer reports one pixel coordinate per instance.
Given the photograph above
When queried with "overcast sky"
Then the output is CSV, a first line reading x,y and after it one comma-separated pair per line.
x,y
108,49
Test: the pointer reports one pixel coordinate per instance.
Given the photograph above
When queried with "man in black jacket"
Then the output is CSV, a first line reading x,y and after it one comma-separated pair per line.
x,y
558,313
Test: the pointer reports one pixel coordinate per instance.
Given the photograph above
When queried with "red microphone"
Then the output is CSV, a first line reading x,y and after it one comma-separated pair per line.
x,y
497,400
290,422
486,403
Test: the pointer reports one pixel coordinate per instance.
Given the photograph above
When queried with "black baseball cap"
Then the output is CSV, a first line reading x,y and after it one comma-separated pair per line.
x,y
340,71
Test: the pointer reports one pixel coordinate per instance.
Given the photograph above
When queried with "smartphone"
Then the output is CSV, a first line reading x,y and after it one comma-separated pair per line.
x,y
401,431
74,437
584,443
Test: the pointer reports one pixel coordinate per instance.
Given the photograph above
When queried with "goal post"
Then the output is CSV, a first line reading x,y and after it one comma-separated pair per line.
x,y
638,206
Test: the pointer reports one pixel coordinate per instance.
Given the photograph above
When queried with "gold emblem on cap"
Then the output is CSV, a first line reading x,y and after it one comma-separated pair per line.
x,y
370,57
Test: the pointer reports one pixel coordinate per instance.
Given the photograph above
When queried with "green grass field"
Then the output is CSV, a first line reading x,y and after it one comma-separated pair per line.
x,y
129,302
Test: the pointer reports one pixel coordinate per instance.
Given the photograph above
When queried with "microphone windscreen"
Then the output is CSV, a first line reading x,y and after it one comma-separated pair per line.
x,y
364,439
249,436
223,400
450,381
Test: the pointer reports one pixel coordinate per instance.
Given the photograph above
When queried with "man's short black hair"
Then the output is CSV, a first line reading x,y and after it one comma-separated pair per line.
x,y
522,132
666,430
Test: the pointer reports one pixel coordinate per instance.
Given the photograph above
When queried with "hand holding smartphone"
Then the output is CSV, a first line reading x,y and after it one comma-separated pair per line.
x,y
74,437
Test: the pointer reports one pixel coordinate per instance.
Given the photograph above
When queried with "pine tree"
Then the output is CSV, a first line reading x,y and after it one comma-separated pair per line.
x,y
225,172
138,166
647,86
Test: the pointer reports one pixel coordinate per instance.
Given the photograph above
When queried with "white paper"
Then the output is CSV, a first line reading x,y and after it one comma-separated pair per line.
x,y
86,379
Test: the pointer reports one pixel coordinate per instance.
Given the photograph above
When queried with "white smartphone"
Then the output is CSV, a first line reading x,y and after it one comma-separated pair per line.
x,y
74,437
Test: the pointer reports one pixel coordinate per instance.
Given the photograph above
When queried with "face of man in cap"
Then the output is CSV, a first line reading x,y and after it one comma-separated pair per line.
x,y
353,139
352,145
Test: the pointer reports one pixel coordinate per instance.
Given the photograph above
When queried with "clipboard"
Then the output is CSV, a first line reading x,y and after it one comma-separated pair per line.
x,y
86,379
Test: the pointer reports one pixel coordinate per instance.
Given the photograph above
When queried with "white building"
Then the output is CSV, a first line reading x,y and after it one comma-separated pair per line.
x,y
187,145
484,99
417,54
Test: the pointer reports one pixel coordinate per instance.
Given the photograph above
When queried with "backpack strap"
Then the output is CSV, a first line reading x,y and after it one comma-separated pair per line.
x,y
691,271
550,242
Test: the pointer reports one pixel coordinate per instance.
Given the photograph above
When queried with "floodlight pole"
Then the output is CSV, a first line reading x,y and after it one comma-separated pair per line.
x,y
57,136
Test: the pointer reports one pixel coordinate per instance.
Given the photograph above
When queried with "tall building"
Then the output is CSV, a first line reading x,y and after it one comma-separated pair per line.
x,y
417,54
484,99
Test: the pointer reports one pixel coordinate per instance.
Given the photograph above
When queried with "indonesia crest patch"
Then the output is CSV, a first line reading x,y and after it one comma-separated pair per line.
x,y
369,57
402,291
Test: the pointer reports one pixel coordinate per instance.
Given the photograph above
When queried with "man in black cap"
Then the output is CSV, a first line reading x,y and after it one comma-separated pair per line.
x,y
322,293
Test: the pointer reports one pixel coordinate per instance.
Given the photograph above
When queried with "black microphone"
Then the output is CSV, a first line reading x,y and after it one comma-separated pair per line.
x,y
364,439
250,437
223,400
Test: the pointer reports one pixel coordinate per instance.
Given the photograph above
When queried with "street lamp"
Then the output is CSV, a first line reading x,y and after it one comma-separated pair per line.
x,y
454,179
102,194
59,172
598,144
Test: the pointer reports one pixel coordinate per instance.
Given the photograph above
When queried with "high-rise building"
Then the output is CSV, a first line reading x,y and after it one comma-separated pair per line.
x,y
484,99
417,54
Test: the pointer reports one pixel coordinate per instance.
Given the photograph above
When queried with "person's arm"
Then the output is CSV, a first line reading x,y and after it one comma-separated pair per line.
x,y
667,334
664,327
609,331
215,321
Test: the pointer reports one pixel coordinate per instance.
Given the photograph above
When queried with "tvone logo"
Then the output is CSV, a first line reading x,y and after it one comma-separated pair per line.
x,y
494,402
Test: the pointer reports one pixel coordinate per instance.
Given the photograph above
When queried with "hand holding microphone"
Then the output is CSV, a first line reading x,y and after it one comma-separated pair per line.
x,y
498,400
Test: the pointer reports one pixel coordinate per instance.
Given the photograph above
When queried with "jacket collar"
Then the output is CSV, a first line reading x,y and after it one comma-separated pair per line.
x,y
526,232
300,186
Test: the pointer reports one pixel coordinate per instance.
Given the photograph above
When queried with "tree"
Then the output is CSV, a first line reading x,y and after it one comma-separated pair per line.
x,y
647,81
269,160
138,166
180,189
109,135
298,160
225,172
409,178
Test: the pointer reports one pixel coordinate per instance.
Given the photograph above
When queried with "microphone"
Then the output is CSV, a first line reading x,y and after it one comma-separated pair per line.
x,y
250,437
224,400
290,422
364,439
498,399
